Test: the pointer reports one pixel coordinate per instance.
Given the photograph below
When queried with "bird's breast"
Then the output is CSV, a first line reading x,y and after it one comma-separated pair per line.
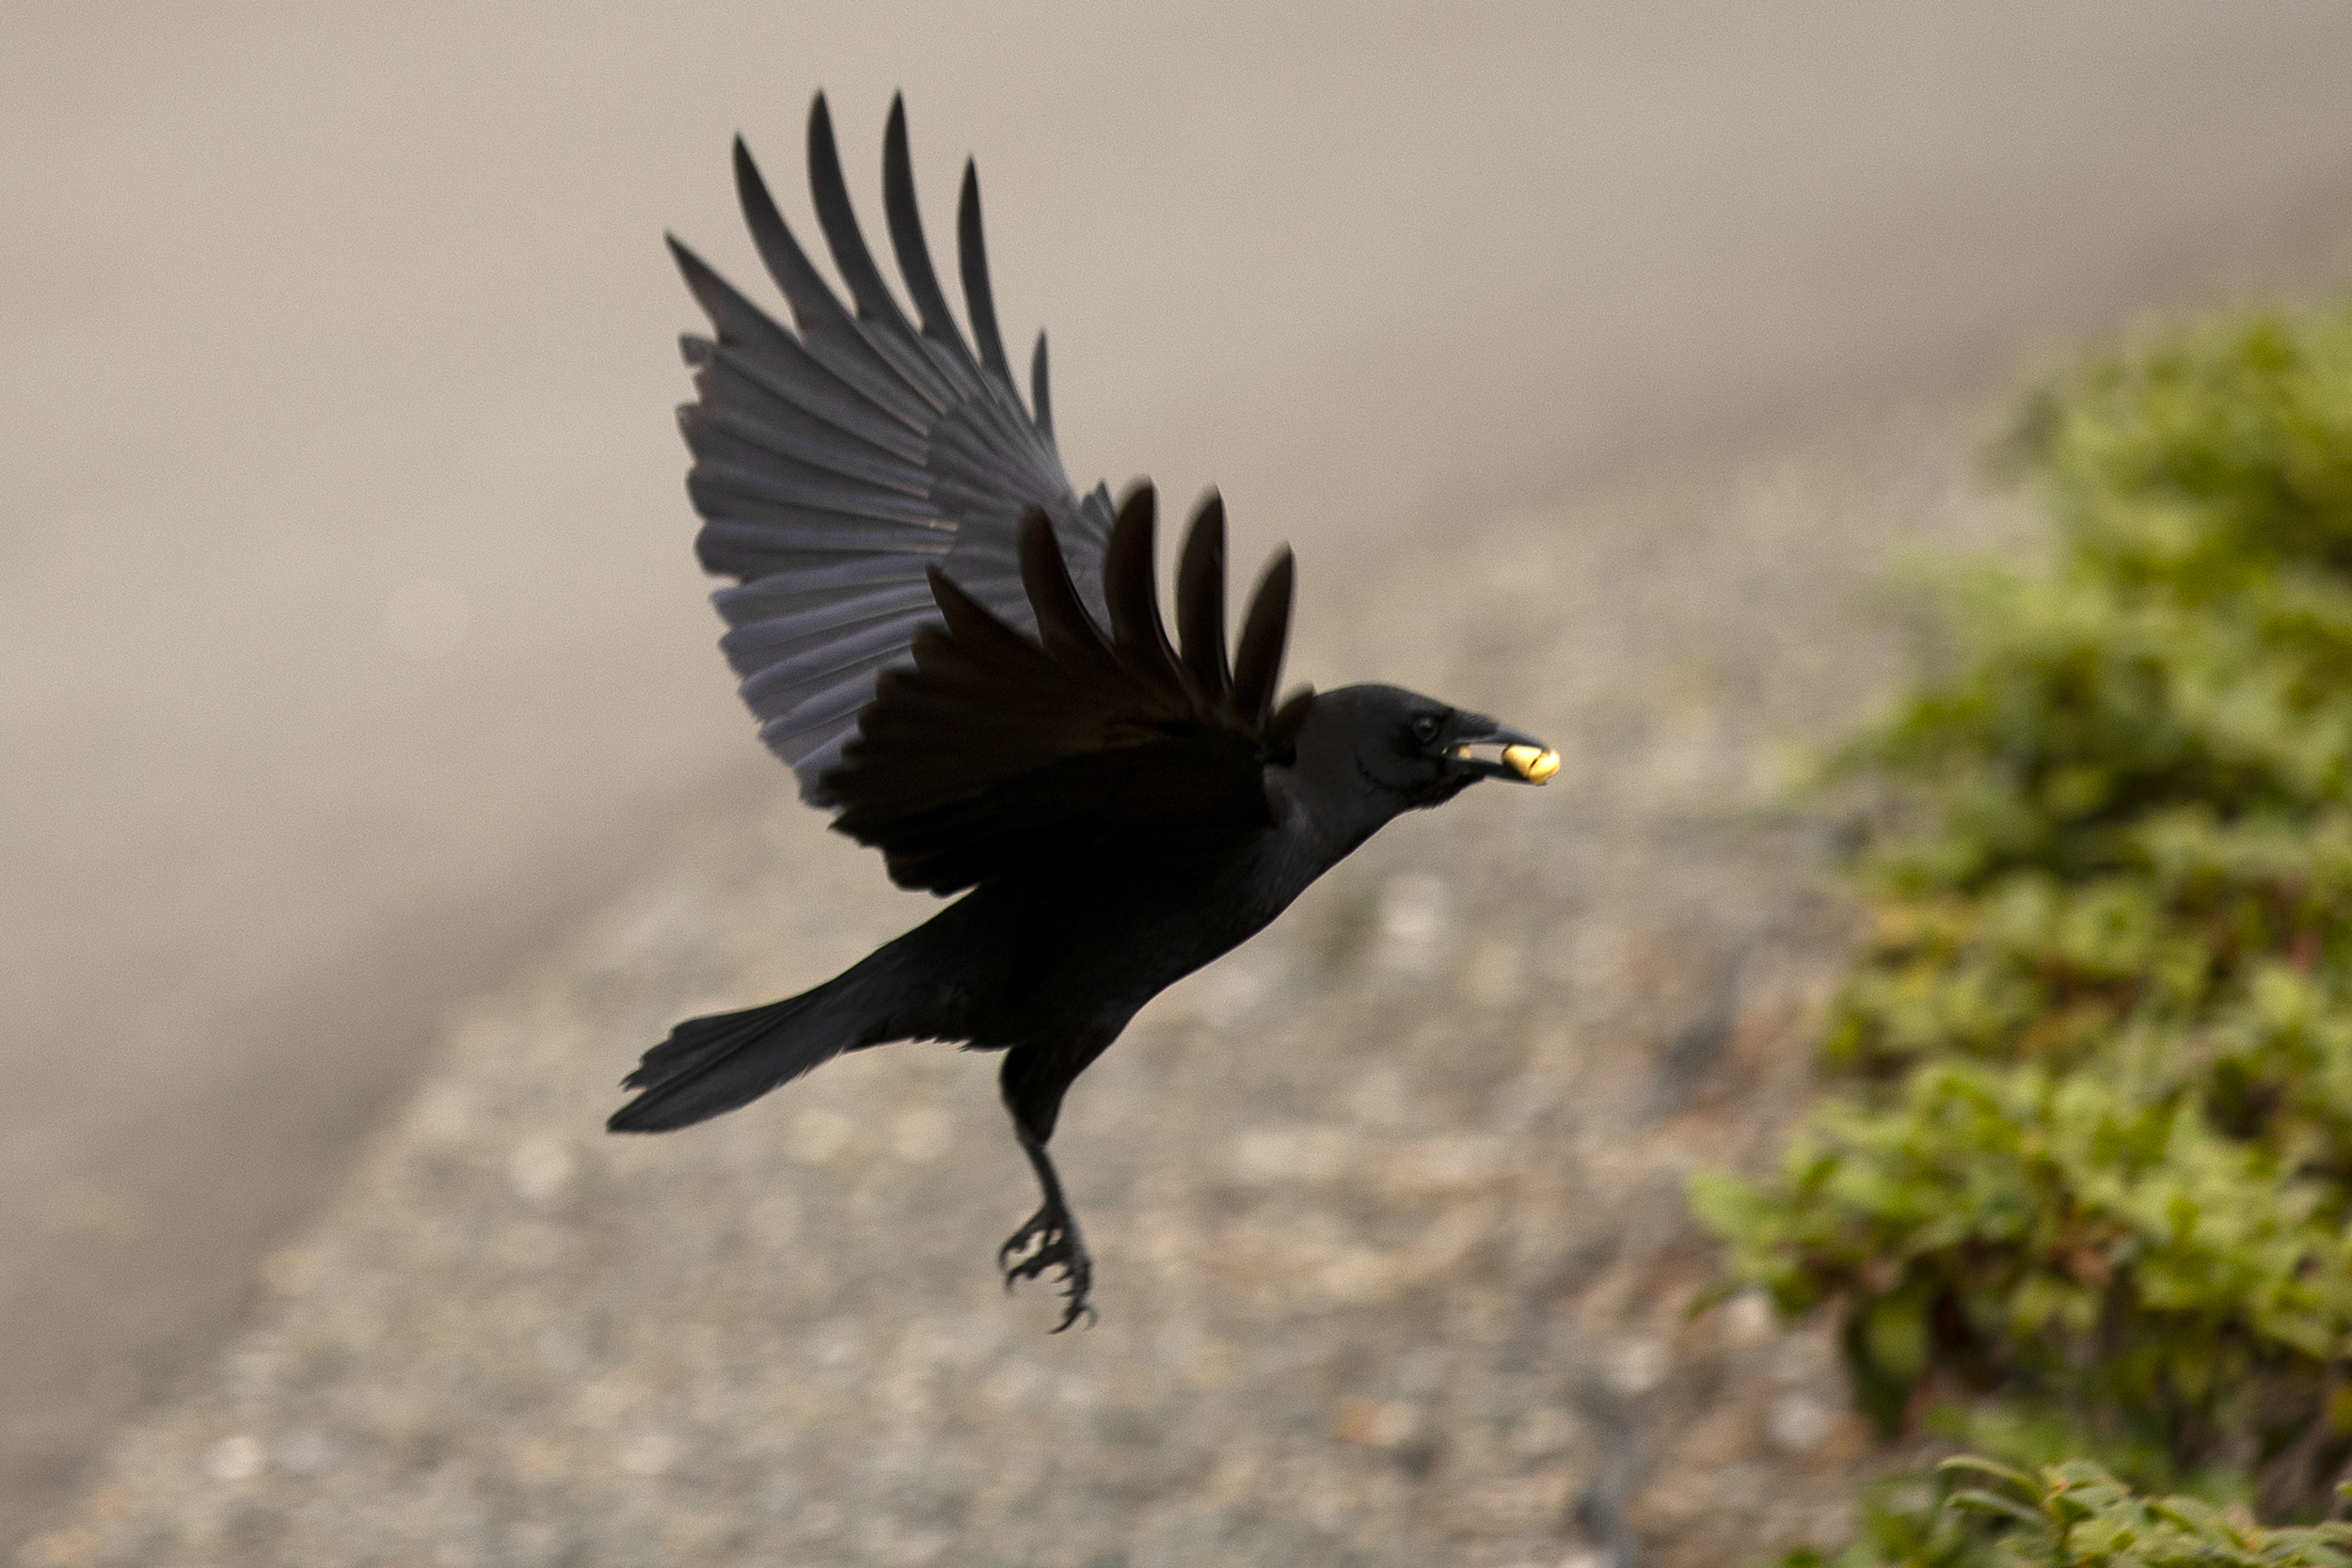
x,y
1111,935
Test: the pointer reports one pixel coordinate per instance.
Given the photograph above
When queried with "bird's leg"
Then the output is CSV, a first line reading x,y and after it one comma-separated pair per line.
x,y
1032,1081
1053,1231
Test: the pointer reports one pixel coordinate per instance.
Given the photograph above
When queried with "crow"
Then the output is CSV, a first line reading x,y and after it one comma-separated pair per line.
x,y
966,663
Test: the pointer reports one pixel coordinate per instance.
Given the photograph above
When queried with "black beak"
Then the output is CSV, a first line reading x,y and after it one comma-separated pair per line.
x,y
1487,750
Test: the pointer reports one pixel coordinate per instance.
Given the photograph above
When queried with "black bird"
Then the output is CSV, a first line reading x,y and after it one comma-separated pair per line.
x,y
964,661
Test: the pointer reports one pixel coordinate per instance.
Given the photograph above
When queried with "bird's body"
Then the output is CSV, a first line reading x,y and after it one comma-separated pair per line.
x,y
967,664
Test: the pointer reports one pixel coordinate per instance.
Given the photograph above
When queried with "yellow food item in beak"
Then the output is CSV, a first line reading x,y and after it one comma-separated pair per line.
x,y
1532,762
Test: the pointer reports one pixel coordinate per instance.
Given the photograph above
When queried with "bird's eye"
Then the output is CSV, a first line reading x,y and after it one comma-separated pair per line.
x,y
1425,728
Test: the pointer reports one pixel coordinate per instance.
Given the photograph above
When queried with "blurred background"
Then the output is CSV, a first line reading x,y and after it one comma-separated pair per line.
x,y
350,641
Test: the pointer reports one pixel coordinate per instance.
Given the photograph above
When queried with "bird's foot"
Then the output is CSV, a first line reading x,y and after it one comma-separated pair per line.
x,y
1054,1236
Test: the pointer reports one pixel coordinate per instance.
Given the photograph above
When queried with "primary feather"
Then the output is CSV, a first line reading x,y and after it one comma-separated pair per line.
x,y
838,459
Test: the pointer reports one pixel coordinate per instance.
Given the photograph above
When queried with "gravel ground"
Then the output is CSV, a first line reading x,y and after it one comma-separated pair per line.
x,y
1392,1263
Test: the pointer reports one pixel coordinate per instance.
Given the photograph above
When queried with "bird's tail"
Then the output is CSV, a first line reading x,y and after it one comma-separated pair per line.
x,y
710,1065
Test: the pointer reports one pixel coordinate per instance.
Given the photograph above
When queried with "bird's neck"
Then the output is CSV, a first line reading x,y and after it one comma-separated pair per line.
x,y
1315,826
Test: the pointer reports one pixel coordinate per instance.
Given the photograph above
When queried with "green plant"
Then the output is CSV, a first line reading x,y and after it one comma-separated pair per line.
x,y
2091,1159
2077,1516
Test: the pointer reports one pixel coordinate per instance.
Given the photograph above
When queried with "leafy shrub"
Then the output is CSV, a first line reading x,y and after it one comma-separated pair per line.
x,y
2077,1516
1975,1514
2092,1159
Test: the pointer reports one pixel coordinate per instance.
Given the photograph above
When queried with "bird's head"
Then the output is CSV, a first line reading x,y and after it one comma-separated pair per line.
x,y
1397,751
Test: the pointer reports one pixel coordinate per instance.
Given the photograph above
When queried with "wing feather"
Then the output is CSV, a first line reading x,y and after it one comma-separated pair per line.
x,y
1000,751
736,403
727,435
754,646
1200,600
793,377
739,321
1067,633
1131,584
837,457
907,241
886,325
979,300
831,194
768,688
1041,399
830,711
1263,631
828,331
727,469
787,591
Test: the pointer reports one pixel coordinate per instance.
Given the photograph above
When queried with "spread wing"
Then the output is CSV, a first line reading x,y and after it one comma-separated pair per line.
x,y
999,750
840,461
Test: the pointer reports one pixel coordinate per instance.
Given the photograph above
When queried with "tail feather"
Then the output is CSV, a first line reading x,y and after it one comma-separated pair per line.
x,y
712,1064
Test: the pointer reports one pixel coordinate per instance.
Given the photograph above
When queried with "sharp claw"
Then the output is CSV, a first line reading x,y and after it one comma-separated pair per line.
x,y
1017,1244
1057,1247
